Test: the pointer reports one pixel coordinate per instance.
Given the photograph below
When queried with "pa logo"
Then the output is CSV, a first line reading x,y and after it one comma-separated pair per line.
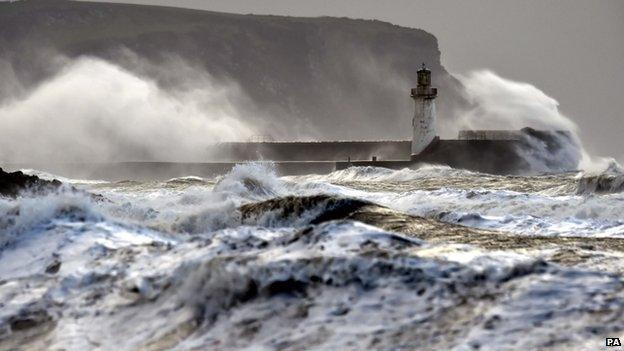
x,y
614,342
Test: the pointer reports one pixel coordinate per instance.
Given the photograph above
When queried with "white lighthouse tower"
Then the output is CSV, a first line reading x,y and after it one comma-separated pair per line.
x,y
425,113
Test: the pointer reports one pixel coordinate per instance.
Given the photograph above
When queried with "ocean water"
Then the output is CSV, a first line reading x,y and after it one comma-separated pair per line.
x,y
432,258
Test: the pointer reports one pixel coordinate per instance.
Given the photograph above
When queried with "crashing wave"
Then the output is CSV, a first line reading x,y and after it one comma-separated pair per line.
x,y
601,184
188,180
50,176
258,179
380,174
257,261
610,180
35,212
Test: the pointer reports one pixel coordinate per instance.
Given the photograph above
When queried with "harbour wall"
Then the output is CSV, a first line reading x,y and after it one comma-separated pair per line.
x,y
311,151
510,153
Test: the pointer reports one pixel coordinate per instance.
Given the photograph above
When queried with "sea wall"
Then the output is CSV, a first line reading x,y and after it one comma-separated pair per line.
x,y
533,152
311,151
527,151
487,156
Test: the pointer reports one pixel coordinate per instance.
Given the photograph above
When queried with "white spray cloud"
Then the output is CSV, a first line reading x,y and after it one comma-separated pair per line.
x,y
95,111
10,86
501,103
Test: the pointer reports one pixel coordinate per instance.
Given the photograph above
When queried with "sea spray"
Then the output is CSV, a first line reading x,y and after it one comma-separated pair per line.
x,y
119,116
499,103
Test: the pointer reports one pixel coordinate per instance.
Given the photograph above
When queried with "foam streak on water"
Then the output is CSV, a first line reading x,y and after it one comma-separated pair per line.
x,y
181,265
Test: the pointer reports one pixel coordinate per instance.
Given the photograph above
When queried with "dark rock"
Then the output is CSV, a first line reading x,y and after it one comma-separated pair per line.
x,y
28,319
328,207
11,184
286,287
53,267
340,311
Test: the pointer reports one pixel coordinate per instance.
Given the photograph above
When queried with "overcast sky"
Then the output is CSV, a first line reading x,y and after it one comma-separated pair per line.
x,y
571,49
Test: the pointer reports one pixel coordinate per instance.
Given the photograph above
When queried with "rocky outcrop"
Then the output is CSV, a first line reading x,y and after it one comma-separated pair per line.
x,y
12,184
316,209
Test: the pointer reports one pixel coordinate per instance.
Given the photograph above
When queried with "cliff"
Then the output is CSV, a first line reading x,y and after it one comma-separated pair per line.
x,y
327,78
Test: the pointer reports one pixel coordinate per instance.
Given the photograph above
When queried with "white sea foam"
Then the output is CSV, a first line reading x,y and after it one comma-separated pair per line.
x,y
517,212
538,213
173,266
65,180
291,287
379,174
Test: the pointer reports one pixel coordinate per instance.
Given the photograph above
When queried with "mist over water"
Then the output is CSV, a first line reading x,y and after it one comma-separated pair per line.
x,y
96,111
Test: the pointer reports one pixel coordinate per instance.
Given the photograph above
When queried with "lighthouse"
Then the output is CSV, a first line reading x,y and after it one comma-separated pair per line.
x,y
424,112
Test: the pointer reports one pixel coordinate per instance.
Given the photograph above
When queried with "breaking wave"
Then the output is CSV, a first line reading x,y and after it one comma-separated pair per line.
x,y
359,259
379,174
610,180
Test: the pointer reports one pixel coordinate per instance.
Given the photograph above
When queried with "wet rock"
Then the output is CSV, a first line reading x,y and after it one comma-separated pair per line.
x,y
290,287
53,267
340,310
492,322
322,208
11,184
28,320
